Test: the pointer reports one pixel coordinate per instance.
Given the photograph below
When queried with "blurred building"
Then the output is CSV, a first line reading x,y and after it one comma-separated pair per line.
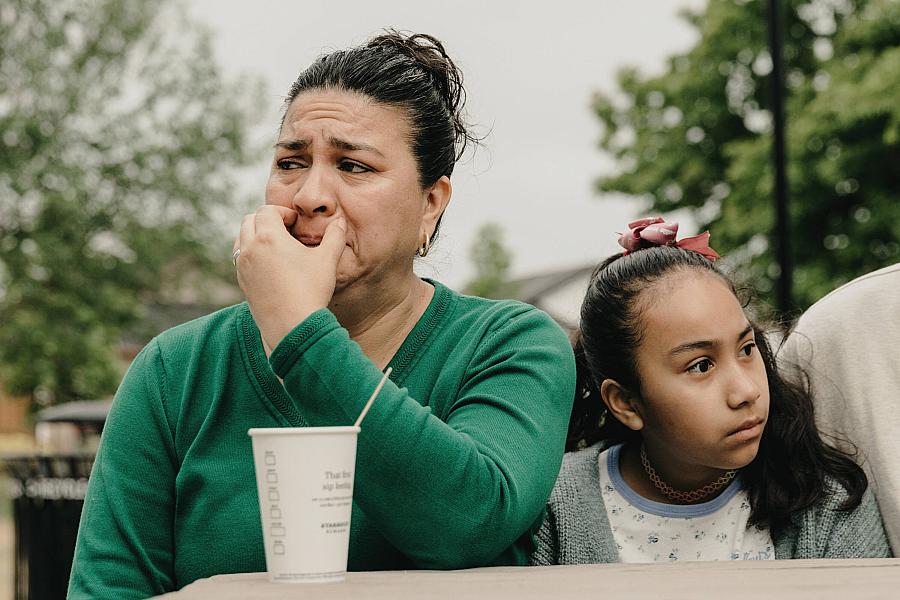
x,y
558,293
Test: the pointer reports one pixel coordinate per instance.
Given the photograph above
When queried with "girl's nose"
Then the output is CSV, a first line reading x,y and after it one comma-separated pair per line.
x,y
744,388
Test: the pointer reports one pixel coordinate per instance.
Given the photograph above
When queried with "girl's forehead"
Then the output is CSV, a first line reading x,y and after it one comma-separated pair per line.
x,y
689,305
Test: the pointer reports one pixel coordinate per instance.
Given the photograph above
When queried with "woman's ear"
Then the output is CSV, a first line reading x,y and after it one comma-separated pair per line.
x,y
437,197
621,404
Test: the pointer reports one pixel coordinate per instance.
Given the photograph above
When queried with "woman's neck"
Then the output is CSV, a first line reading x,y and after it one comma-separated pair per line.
x,y
380,319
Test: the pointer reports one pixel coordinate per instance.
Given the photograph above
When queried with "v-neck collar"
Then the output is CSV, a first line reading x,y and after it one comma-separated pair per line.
x,y
270,387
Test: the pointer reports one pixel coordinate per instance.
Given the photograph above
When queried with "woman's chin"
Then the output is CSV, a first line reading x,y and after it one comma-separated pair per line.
x,y
345,279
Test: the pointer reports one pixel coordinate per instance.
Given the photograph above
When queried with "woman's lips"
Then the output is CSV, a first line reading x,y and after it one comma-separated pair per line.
x,y
308,234
309,240
749,430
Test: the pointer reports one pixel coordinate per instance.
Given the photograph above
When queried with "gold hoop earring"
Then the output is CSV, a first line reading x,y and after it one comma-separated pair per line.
x,y
422,251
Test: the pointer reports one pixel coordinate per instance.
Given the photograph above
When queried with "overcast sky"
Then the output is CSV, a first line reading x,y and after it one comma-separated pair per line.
x,y
530,69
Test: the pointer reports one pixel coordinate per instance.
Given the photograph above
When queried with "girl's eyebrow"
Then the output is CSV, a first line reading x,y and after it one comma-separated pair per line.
x,y
700,344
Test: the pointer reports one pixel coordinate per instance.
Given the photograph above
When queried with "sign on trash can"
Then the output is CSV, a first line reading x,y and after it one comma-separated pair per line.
x,y
47,490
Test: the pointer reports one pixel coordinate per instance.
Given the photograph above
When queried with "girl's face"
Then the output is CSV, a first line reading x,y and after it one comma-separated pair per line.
x,y
705,394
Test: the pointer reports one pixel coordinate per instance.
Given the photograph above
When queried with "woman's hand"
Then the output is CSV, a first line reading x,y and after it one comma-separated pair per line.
x,y
283,280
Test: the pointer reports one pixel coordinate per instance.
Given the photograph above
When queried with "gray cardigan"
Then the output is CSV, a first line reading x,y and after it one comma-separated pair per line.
x,y
576,530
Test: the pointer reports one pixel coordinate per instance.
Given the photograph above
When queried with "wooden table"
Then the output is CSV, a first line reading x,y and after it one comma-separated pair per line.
x,y
857,579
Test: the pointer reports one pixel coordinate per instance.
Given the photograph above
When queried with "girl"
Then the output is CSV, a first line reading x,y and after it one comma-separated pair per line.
x,y
698,448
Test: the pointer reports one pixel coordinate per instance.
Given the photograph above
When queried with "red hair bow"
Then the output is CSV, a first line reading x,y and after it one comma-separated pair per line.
x,y
653,231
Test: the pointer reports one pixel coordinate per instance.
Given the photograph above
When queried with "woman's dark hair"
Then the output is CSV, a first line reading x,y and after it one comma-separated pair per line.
x,y
793,464
412,72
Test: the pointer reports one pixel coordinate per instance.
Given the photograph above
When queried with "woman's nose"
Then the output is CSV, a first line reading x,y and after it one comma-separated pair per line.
x,y
315,196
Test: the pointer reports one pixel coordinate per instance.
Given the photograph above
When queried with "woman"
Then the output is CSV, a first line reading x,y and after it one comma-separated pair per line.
x,y
460,451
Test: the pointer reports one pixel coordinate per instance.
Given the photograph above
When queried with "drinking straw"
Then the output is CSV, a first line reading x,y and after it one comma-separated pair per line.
x,y
372,398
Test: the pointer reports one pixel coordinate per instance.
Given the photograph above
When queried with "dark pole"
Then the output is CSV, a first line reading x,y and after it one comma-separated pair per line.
x,y
782,225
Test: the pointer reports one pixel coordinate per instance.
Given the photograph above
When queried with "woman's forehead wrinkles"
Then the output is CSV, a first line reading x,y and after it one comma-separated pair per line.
x,y
350,123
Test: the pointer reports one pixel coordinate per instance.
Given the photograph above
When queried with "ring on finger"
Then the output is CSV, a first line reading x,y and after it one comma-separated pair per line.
x,y
234,256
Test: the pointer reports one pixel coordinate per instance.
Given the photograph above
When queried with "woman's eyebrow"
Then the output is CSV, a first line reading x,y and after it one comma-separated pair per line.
x,y
352,146
340,144
700,344
292,144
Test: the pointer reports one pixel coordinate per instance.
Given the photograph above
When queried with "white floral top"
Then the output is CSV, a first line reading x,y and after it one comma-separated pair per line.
x,y
648,531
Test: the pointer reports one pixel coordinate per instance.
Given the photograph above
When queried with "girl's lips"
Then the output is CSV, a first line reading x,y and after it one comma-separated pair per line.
x,y
748,430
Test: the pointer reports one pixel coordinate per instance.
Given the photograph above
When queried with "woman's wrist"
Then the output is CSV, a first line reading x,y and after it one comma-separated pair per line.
x,y
274,328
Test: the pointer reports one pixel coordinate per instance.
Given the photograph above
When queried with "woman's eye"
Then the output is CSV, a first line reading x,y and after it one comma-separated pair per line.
x,y
748,349
352,167
701,366
286,164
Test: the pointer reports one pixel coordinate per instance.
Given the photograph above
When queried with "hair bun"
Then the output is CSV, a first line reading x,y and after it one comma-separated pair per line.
x,y
428,53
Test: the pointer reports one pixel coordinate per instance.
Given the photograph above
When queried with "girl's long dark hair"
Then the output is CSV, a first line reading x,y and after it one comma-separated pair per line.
x,y
793,464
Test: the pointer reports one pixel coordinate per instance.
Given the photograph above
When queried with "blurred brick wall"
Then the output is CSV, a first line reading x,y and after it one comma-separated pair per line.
x,y
14,414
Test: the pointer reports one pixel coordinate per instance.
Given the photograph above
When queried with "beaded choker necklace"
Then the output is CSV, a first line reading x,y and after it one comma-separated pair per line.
x,y
679,496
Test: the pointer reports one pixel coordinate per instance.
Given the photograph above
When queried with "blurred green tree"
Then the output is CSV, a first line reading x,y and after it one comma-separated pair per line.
x,y
492,261
698,137
118,143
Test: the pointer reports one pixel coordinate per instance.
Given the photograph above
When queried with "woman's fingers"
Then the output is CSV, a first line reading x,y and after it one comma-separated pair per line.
x,y
248,230
283,280
268,217
288,215
334,239
275,221
274,218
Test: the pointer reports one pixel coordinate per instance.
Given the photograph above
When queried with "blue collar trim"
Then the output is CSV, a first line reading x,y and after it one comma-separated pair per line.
x,y
677,511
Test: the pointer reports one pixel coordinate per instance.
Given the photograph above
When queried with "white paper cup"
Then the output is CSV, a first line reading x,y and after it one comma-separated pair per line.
x,y
304,476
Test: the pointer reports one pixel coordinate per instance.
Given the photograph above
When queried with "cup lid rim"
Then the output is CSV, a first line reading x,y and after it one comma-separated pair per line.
x,y
302,430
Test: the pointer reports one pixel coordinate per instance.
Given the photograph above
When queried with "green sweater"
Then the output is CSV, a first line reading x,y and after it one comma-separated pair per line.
x,y
577,530
456,458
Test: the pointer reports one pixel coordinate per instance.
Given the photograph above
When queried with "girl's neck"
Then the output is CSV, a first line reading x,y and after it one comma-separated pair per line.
x,y
682,477
380,320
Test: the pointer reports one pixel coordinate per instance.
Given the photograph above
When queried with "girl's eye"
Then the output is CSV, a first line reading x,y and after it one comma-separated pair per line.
x,y
701,366
352,167
748,349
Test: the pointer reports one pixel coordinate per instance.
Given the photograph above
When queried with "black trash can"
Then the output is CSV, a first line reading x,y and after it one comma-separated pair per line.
x,y
47,491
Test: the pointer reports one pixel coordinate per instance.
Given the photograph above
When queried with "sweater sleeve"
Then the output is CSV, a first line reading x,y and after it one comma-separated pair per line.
x,y
826,531
125,541
455,489
858,533
546,551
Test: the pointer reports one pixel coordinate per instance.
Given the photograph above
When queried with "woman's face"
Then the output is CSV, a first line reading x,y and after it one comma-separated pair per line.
x,y
339,154
705,394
